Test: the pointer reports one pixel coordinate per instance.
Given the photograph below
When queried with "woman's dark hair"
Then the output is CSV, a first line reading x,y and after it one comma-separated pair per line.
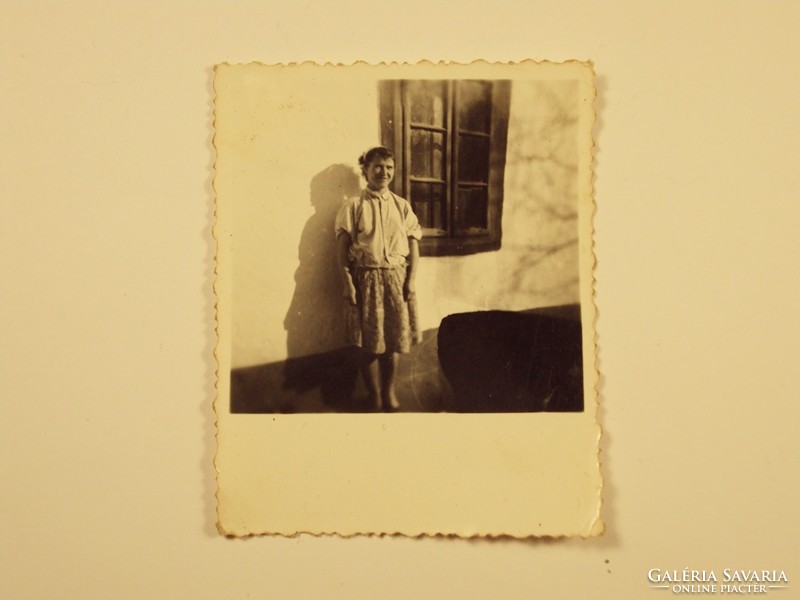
x,y
379,152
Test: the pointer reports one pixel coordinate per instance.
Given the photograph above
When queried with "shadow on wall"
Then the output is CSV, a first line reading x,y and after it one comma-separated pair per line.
x,y
314,324
314,321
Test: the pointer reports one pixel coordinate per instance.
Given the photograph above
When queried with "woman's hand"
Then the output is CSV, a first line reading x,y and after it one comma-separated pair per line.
x,y
342,251
349,293
409,289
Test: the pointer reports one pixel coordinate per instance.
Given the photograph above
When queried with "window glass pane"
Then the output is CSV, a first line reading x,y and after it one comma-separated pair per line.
x,y
427,154
474,105
471,208
428,201
427,100
473,158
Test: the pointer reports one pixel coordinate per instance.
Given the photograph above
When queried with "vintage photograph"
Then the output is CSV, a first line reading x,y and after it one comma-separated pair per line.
x,y
404,299
408,245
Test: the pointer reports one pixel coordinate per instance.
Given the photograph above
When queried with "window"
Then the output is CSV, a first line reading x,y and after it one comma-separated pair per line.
x,y
449,141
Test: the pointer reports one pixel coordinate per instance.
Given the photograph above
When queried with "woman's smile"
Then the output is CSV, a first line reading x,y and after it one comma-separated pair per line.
x,y
379,173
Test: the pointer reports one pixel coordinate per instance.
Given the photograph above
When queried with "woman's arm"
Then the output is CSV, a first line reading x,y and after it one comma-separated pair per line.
x,y
410,287
342,250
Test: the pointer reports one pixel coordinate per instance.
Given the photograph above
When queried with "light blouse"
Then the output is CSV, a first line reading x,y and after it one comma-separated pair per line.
x,y
379,226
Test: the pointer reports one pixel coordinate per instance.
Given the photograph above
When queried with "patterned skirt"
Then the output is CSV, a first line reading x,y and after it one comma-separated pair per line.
x,y
382,321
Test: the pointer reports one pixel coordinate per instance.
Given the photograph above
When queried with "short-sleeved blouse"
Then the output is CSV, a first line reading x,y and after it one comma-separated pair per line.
x,y
379,226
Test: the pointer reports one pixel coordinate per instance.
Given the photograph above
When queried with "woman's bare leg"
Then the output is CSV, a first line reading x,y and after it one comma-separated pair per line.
x,y
388,363
371,372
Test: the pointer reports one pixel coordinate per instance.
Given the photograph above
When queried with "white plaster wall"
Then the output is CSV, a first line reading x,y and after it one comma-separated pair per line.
x,y
317,131
537,264
285,290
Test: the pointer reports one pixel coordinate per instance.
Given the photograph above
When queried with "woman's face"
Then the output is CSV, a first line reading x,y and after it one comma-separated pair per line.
x,y
379,172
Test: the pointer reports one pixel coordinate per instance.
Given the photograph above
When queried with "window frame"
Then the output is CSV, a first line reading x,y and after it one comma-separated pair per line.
x,y
396,127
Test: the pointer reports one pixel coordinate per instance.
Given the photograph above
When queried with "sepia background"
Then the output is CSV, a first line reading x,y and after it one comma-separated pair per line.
x,y
107,312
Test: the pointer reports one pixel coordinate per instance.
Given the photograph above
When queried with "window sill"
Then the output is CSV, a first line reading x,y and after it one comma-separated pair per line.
x,y
457,246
